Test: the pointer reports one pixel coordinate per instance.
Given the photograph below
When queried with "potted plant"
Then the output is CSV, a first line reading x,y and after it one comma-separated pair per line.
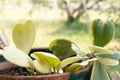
x,y
63,60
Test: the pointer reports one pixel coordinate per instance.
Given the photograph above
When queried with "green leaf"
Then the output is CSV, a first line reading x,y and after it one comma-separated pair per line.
x,y
99,72
73,67
70,60
108,61
77,66
42,67
101,33
62,48
116,70
17,57
45,57
97,50
113,73
115,55
23,36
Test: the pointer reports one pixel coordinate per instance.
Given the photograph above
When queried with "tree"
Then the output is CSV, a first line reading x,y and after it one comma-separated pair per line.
x,y
75,13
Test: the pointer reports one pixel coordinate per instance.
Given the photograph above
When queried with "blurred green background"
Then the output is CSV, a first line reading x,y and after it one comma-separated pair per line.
x,y
69,19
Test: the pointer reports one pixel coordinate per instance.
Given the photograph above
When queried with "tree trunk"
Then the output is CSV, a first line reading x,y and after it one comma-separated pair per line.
x,y
80,10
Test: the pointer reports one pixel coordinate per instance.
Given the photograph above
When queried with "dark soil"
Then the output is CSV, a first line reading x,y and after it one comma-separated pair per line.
x,y
16,71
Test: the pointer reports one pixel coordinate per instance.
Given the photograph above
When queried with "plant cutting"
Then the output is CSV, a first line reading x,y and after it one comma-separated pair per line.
x,y
64,56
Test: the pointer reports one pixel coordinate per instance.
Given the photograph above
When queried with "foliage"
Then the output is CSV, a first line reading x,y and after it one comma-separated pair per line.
x,y
66,55
101,33
24,35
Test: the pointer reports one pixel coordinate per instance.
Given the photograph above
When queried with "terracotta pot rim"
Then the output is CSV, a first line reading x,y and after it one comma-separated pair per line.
x,y
64,76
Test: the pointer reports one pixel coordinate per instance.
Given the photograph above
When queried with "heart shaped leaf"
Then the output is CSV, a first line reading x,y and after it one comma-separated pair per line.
x,y
49,58
42,67
97,50
101,33
24,35
99,72
62,48
17,57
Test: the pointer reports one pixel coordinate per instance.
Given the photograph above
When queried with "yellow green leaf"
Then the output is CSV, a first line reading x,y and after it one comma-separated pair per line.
x,y
17,57
70,60
73,67
97,49
23,36
42,67
47,57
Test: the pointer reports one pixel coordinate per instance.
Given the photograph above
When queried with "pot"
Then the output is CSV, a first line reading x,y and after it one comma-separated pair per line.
x,y
83,74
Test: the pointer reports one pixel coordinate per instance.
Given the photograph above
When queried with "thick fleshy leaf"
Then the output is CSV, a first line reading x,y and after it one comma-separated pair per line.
x,y
70,60
73,67
99,72
101,33
113,73
17,57
115,55
108,61
45,57
77,66
97,50
42,67
23,36
62,48
116,70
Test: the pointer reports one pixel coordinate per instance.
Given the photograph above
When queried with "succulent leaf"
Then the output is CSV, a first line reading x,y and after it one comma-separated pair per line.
x,y
23,36
45,57
17,57
73,67
42,67
108,61
115,55
70,60
62,48
97,50
101,33
99,72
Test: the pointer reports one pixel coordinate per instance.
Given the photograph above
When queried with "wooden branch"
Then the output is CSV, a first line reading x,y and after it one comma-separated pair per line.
x,y
67,7
81,12
96,2
77,9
